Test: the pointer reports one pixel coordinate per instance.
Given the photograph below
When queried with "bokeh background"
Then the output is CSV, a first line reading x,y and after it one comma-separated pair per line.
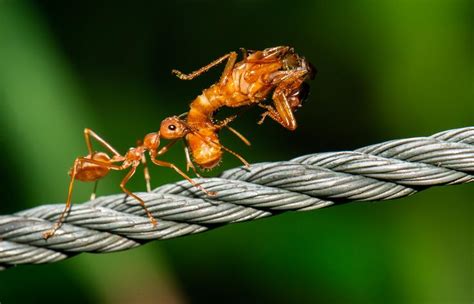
x,y
387,69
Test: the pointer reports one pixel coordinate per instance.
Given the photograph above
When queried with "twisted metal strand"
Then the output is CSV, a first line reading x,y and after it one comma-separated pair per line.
x,y
382,171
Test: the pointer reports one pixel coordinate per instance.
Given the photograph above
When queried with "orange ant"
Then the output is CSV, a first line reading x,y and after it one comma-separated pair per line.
x,y
250,81
96,165
247,82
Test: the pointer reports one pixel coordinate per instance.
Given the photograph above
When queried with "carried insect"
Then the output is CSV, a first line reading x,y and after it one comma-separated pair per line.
x,y
276,71
96,165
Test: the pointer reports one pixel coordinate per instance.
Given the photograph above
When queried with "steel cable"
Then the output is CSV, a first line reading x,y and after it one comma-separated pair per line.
x,y
388,170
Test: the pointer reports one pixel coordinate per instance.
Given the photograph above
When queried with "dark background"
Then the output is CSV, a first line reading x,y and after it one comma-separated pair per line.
x,y
387,69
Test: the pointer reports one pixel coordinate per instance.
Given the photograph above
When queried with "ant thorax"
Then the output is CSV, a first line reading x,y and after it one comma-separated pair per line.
x,y
134,154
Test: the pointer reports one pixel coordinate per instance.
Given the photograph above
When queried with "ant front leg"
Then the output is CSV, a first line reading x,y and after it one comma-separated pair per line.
x,y
231,56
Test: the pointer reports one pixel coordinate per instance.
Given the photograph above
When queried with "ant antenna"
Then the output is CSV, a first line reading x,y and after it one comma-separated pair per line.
x,y
183,115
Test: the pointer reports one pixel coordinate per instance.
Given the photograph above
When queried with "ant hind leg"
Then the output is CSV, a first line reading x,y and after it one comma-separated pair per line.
x,y
94,190
49,233
88,133
204,69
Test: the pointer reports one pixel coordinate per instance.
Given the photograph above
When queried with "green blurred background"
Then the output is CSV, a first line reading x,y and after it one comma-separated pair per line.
x,y
387,69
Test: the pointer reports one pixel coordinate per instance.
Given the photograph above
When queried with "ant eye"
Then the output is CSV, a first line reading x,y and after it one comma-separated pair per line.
x,y
172,127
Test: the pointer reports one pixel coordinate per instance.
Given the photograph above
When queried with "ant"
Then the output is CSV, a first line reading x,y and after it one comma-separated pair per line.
x,y
278,71
96,165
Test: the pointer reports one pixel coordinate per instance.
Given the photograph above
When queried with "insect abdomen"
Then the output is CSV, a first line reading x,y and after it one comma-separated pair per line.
x,y
89,172
207,154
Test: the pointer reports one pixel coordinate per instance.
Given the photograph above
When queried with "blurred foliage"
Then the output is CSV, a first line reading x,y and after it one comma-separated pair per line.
x,y
387,69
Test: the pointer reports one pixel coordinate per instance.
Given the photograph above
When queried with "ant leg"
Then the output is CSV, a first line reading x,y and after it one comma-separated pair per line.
x,y
211,142
223,123
49,233
166,148
173,166
246,164
189,163
283,111
285,115
202,70
271,55
244,52
77,162
286,98
128,192
229,66
94,190
146,173
270,112
239,135
88,133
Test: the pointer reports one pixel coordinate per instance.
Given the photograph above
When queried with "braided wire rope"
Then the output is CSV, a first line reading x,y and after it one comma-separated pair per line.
x,y
384,171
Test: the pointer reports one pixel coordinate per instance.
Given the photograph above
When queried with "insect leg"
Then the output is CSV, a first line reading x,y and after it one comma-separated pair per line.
x,y
88,133
146,173
75,167
211,142
166,148
244,52
57,225
239,135
202,70
189,162
94,190
173,166
128,192
246,164
285,114
225,124
289,82
228,68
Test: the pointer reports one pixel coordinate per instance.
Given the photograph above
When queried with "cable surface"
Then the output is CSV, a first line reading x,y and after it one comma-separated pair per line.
x,y
384,171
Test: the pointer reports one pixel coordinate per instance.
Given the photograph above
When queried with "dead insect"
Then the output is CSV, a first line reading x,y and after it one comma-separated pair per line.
x,y
278,71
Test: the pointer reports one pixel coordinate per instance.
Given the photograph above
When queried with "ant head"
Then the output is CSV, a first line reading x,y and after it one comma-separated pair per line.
x,y
173,128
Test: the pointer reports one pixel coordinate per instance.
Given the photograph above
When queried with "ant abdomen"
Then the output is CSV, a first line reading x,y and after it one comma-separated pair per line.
x,y
206,154
90,172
